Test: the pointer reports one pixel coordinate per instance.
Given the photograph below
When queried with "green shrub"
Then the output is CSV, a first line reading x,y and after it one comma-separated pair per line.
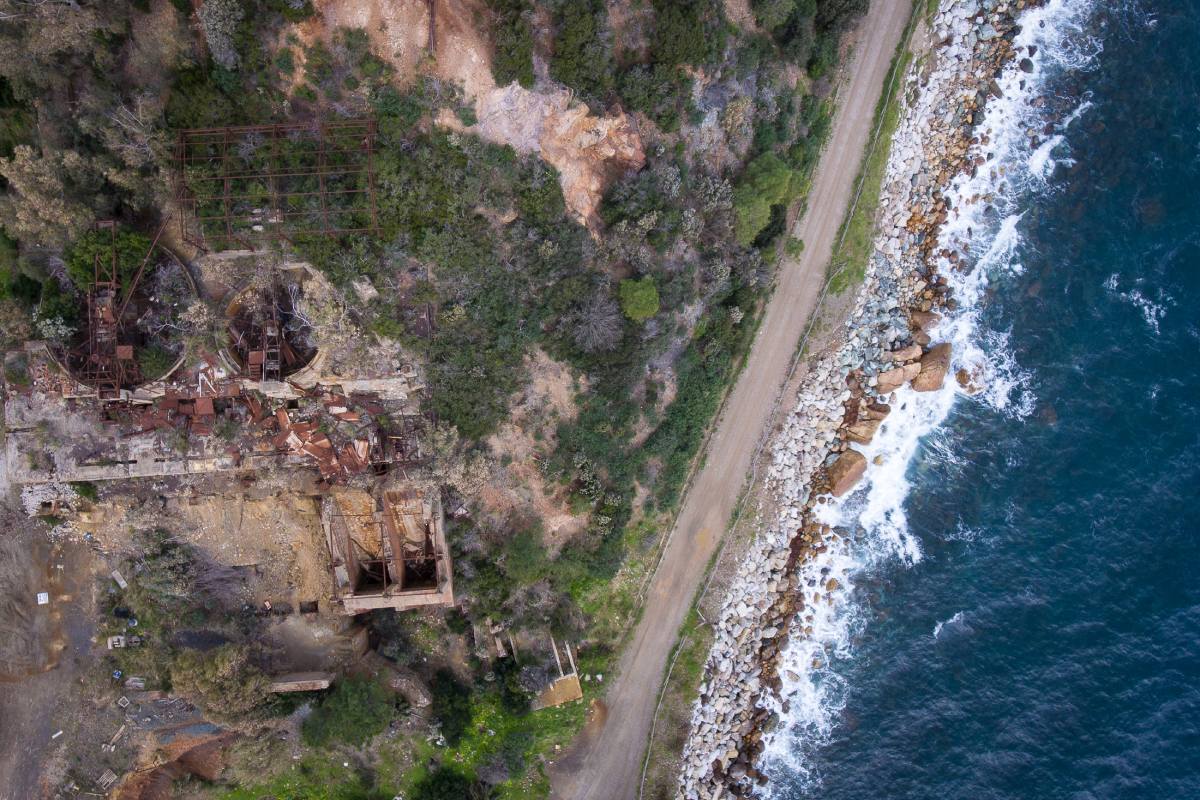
x,y
658,91
56,304
318,63
540,199
312,778
767,182
16,374
466,115
451,706
87,490
197,100
82,255
703,372
687,32
17,122
155,361
306,93
512,35
445,783
770,14
356,710
285,62
639,298
582,58
525,558
15,284
373,67
222,681
292,10
397,112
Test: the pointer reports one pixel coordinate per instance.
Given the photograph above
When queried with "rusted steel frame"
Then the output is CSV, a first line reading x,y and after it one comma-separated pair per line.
x,y
218,197
321,176
224,156
371,171
220,237
279,126
201,159
272,181
274,175
307,173
137,277
247,218
432,26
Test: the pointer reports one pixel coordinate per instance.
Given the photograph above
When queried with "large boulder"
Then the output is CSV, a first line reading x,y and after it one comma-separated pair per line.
x,y
893,379
863,431
846,472
910,353
934,366
924,320
877,410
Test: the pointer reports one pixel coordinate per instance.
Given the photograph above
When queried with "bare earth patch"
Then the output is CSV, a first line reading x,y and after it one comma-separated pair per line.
x,y
588,151
399,31
548,398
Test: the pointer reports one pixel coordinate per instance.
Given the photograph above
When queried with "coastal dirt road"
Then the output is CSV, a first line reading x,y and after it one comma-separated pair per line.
x,y
605,764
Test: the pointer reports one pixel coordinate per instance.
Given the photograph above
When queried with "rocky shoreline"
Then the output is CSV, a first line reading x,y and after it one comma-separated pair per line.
x,y
847,394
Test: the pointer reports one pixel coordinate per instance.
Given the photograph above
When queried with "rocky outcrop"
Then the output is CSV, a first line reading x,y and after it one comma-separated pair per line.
x,y
934,366
893,379
924,320
863,431
905,354
846,472
588,151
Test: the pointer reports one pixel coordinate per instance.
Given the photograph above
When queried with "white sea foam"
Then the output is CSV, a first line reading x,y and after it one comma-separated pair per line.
x,y
962,533
1153,311
955,622
985,220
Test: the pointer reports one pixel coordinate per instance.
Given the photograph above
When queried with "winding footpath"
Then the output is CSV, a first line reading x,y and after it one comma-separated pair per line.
x,y
605,764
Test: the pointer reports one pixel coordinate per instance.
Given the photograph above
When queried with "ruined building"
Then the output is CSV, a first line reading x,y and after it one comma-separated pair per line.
x,y
387,551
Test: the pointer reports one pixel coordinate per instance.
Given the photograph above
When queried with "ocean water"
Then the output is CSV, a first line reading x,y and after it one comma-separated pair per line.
x,y
1022,611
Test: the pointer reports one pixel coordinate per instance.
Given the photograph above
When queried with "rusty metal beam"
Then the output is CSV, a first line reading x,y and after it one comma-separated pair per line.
x,y
320,160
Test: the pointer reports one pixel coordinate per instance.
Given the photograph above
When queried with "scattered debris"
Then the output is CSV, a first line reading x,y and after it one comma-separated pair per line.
x,y
301,682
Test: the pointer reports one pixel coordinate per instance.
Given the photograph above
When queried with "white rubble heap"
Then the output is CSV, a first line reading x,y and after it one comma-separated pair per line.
x,y
943,97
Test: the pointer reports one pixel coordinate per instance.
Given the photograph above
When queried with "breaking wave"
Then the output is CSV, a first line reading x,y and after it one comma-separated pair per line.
x,y
955,623
984,231
1152,311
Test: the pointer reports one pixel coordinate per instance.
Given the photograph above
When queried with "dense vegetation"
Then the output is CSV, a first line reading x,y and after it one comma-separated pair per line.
x,y
477,264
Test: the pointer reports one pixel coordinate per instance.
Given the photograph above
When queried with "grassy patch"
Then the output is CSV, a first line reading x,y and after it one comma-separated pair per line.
x,y
685,669
356,710
857,234
674,718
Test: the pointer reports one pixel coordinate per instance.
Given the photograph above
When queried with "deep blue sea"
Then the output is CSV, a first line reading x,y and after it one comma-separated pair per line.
x,y
1045,643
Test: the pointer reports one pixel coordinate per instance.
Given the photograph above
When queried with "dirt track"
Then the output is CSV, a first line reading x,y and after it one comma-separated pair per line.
x,y
35,705
606,764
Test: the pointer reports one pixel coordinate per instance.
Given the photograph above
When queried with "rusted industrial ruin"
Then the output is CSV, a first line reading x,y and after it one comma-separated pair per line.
x,y
235,187
387,552
103,355
238,185
264,399
266,332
